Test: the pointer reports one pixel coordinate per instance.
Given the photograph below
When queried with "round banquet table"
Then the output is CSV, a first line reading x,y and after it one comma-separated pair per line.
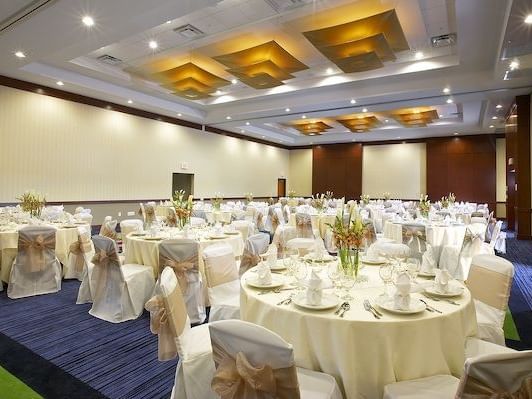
x,y
438,236
218,216
363,353
64,236
142,250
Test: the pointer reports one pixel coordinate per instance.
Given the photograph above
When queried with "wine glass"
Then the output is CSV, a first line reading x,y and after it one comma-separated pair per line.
x,y
386,275
412,267
300,273
348,282
335,275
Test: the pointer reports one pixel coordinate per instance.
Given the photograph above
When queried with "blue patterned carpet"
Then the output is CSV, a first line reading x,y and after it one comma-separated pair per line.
x,y
118,360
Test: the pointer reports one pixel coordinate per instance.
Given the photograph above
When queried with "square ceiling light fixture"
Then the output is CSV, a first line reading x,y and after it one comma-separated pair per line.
x,y
261,67
363,44
415,117
310,128
359,123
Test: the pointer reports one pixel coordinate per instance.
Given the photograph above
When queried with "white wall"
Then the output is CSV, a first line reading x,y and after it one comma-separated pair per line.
x,y
399,169
501,177
300,179
75,152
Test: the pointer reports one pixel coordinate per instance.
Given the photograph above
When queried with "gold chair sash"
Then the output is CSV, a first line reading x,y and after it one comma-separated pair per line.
x,y
248,260
171,219
180,267
237,378
35,250
415,238
102,258
489,286
78,248
471,242
106,231
275,221
166,323
260,222
475,389
149,212
304,227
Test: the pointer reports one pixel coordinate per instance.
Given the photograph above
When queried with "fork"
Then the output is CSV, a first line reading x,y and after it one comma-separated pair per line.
x,y
370,309
337,312
286,301
431,308
440,299
346,307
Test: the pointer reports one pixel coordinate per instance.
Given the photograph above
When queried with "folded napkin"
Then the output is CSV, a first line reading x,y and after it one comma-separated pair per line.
x,y
264,274
428,262
441,281
402,292
218,229
315,289
271,256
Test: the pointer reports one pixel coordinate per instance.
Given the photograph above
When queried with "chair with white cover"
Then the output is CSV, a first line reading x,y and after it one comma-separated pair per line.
x,y
259,220
255,246
456,259
415,236
497,375
182,255
83,215
223,283
108,228
490,281
494,239
35,270
169,320
119,292
245,227
286,213
304,241
79,254
147,212
128,226
170,218
255,363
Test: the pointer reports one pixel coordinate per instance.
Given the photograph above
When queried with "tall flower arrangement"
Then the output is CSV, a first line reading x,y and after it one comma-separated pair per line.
x,y
249,197
349,236
444,201
183,207
329,195
32,202
318,202
452,198
217,201
387,196
364,199
424,205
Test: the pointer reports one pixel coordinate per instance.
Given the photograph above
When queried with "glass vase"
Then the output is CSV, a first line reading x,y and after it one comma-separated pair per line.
x,y
350,261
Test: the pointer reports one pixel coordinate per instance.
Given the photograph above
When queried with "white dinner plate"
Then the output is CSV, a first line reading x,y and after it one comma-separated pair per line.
x,y
374,261
427,274
328,301
152,238
279,265
216,237
454,290
416,306
231,233
326,258
277,281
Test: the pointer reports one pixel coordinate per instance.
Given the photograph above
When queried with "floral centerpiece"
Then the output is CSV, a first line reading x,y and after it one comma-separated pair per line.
x,y
183,207
452,198
249,197
292,201
217,201
364,199
444,201
32,202
318,202
424,205
329,195
349,237
291,193
387,196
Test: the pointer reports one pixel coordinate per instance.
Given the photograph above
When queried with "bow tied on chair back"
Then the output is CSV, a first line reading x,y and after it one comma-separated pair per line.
x,y
180,268
171,218
304,226
415,237
167,320
275,219
260,221
475,388
107,231
471,244
35,246
78,249
149,214
248,260
104,258
236,378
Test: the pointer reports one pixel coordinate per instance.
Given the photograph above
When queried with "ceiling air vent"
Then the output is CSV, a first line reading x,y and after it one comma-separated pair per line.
x,y
286,5
109,59
443,40
188,31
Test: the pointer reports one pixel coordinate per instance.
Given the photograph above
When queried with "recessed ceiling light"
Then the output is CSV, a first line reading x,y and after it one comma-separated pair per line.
x,y
59,83
153,44
168,22
398,137
493,117
218,92
247,123
87,20
456,133
311,142
418,55
20,54
364,110
499,106
179,114
329,71
446,90
287,110
449,101
227,117
353,101
241,130
234,81
491,126
303,117
528,19
386,121
262,136
441,116
514,65
130,101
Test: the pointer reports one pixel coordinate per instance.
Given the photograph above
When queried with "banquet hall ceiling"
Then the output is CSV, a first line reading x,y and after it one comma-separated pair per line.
x,y
286,71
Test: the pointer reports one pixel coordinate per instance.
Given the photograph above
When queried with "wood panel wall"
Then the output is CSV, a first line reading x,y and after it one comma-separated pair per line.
x,y
337,168
465,166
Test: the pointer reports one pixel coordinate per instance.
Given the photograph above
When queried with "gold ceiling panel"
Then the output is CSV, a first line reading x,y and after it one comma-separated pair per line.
x,y
363,44
263,66
415,117
359,123
310,128
190,70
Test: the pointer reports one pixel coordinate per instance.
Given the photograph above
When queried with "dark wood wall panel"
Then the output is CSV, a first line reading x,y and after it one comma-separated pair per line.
x,y
465,166
337,168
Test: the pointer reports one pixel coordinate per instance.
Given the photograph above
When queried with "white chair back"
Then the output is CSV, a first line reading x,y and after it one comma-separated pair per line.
x,y
495,233
304,226
220,265
245,227
79,255
255,246
108,228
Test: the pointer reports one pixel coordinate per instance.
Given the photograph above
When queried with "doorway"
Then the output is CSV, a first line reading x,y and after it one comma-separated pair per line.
x,y
183,181
281,188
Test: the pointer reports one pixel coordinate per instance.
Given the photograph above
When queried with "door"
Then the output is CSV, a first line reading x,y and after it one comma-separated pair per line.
x,y
183,181
281,187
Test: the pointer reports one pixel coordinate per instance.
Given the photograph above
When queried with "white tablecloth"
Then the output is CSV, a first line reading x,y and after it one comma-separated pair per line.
x,y
438,236
363,353
319,222
9,244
